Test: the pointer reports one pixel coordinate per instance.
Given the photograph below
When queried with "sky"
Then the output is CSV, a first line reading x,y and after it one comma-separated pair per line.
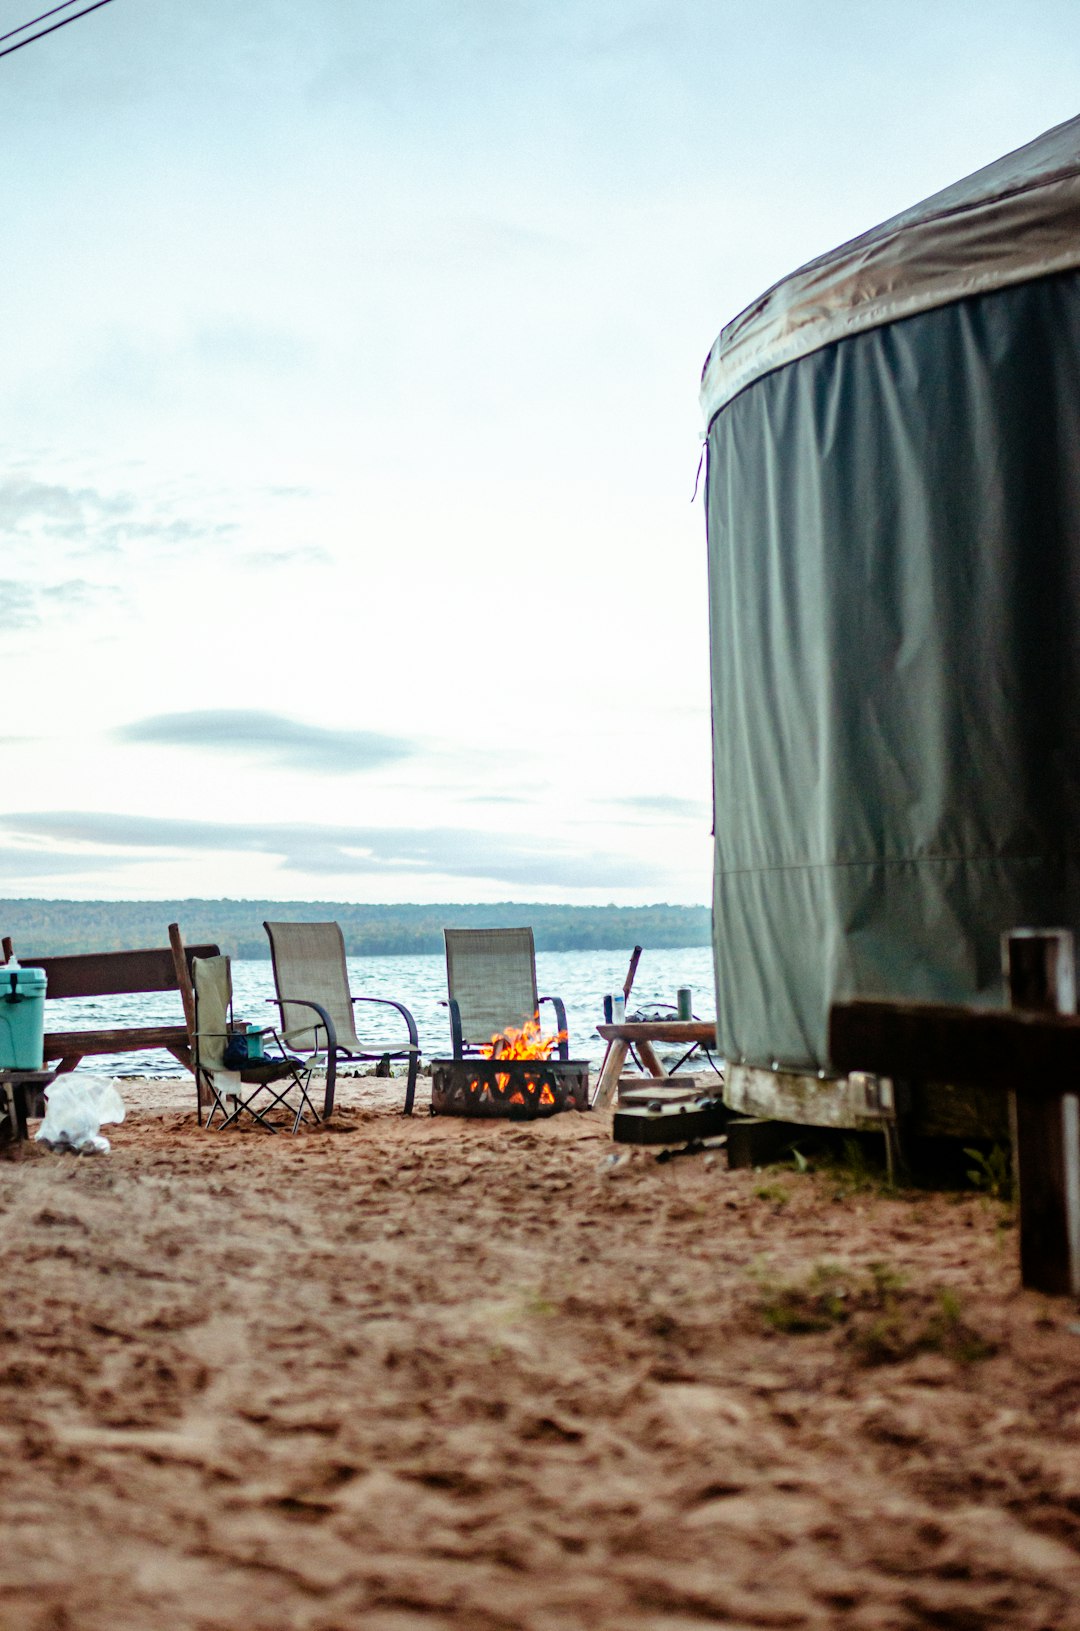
x,y
349,421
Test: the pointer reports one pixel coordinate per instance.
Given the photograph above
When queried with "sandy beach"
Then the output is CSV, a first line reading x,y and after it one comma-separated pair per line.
x,y
414,1375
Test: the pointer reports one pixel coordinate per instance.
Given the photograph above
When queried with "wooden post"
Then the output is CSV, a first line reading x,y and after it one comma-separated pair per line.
x,y
1040,977
183,976
187,997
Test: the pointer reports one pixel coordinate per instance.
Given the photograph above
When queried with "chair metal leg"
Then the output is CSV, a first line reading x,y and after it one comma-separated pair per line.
x,y
331,1078
304,1101
410,1090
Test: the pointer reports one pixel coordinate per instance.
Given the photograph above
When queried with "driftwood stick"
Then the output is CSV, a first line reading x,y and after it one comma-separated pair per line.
x,y
631,971
602,1081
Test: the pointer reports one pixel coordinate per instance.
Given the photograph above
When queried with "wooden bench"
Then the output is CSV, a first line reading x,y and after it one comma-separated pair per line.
x,y
115,974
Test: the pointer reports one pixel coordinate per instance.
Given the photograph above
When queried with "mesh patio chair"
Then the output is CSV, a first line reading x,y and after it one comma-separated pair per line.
x,y
310,973
234,1089
491,980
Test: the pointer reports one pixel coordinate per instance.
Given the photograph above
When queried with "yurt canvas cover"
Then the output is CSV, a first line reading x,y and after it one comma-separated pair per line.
x,y
893,503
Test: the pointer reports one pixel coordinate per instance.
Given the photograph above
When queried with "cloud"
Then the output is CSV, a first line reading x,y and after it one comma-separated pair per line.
x,y
18,605
301,555
278,741
238,343
25,606
177,531
75,592
28,505
23,866
31,510
342,851
665,804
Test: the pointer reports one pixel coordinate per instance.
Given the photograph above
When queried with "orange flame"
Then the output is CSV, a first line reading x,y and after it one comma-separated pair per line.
x,y
528,1042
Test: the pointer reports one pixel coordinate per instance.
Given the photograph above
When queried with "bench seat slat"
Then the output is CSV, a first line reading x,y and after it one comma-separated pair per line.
x,y
130,1039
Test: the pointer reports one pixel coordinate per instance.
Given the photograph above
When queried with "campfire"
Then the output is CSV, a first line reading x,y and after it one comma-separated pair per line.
x,y
514,1076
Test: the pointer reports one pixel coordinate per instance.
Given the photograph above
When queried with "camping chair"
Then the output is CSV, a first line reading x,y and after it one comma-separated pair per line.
x,y
491,980
212,992
310,972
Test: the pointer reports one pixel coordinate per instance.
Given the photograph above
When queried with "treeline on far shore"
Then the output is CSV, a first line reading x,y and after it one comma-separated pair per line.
x,y
50,927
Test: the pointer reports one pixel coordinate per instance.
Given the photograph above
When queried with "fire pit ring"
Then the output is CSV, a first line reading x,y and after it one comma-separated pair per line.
x,y
520,1089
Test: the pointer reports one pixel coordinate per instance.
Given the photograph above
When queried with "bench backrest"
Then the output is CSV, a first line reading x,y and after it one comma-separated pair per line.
x,y
113,973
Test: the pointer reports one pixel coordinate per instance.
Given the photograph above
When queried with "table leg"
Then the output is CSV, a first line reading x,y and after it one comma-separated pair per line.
x,y
13,1108
609,1076
18,1093
647,1054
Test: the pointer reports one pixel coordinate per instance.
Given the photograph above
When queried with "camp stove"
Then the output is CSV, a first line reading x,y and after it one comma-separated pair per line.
x,y
520,1089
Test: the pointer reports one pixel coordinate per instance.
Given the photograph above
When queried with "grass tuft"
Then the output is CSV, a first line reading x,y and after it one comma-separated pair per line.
x,y
883,1319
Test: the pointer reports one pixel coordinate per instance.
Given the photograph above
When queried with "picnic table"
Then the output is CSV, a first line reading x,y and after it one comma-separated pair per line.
x,y
640,1034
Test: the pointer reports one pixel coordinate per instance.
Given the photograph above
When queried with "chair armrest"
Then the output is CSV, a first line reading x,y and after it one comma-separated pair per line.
x,y
327,1022
388,1002
560,1023
272,1034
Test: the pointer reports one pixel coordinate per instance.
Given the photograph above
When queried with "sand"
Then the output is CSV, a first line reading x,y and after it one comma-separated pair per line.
x,y
413,1375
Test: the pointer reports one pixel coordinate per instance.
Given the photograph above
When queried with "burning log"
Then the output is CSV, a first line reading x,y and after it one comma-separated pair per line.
x,y
526,1042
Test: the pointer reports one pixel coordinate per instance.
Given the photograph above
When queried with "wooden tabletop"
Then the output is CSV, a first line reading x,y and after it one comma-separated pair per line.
x,y
661,1030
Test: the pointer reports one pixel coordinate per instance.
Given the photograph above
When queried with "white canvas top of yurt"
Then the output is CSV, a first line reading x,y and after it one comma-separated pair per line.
x,y
1016,219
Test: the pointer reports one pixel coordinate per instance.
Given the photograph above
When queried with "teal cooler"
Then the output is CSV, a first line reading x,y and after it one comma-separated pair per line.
x,y
22,1018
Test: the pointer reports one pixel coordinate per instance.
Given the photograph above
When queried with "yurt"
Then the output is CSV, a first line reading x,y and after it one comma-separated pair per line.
x,y
893,511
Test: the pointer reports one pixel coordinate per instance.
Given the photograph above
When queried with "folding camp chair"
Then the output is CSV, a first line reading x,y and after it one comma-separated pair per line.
x,y
234,1089
491,980
310,973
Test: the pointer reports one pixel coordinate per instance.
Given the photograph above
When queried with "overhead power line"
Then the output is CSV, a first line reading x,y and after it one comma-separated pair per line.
x,y
11,33
64,21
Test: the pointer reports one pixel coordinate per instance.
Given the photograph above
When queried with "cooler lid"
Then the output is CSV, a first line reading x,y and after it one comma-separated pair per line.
x,y
21,982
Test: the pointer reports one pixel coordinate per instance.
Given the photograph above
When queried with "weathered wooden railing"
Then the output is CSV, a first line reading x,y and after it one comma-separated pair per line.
x,y
1033,1049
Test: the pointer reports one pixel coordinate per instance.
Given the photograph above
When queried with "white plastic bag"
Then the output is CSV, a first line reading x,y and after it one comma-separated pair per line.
x,y
74,1113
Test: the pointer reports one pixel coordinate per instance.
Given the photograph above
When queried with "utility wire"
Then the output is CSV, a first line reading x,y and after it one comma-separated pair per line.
x,y
24,26
64,21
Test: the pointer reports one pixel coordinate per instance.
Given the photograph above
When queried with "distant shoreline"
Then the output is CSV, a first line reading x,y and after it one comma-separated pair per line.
x,y
53,927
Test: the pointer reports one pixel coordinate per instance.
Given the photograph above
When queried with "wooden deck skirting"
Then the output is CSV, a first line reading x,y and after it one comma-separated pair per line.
x,y
1033,1049
974,1047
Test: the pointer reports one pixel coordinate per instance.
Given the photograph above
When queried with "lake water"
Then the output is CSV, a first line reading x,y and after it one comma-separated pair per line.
x,y
580,978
